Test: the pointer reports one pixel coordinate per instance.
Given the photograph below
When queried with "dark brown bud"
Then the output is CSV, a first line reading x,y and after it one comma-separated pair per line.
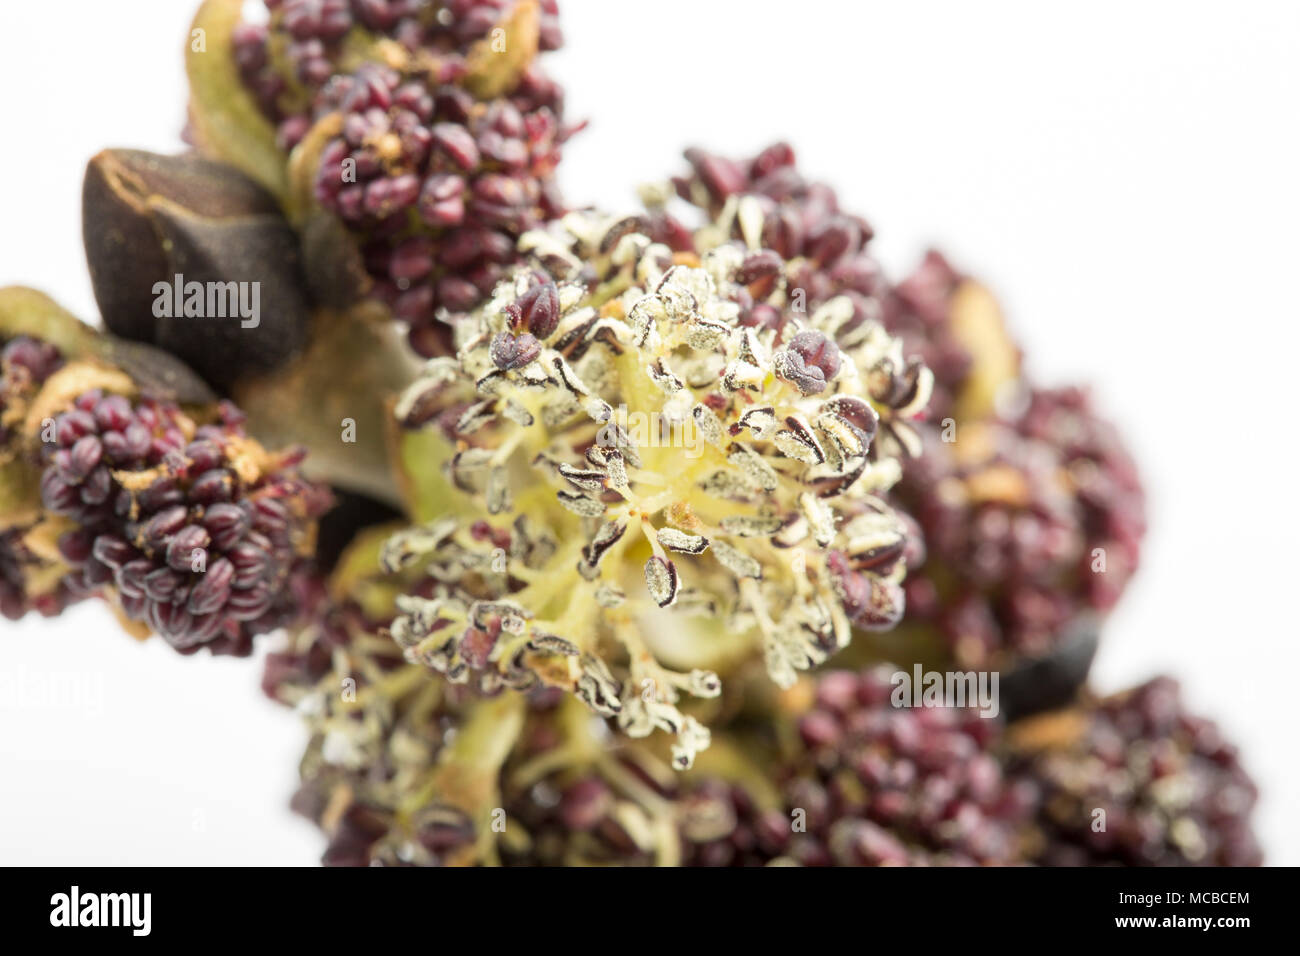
x,y
332,266
149,219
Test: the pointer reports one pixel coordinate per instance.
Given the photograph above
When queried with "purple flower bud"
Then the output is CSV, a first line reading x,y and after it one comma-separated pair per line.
x,y
499,190
509,351
819,729
457,294
720,176
870,602
187,544
250,564
95,490
809,362
57,495
250,604
162,526
412,259
414,305
213,486
455,143
270,517
508,151
763,316
213,590
417,99
404,191
113,413
138,440
131,577
585,804
539,309
442,202
113,551
763,264
74,546
350,202
203,456
777,156
227,523
73,426
161,583
833,240
160,494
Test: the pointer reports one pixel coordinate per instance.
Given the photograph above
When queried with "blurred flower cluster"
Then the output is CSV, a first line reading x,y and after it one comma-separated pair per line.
x,y
577,536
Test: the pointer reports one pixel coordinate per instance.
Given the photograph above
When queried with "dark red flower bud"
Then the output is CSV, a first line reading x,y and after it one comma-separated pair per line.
x,y
763,264
514,351
539,309
809,361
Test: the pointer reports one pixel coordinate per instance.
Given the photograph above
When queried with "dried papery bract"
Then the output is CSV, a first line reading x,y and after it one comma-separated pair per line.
x,y
633,570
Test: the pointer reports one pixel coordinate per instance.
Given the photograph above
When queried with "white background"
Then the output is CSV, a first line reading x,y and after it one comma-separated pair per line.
x,y
1124,174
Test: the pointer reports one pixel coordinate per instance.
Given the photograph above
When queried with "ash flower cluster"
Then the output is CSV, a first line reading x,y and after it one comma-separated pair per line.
x,y
902,786
427,128
378,729
193,528
1136,779
1030,518
858,783
649,478
28,580
402,767
775,539
185,524
308,44
1029,522
965,345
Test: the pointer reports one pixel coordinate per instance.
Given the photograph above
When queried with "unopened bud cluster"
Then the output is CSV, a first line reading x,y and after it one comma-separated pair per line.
x,y
1029,522
190,527
1140,781
430,132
